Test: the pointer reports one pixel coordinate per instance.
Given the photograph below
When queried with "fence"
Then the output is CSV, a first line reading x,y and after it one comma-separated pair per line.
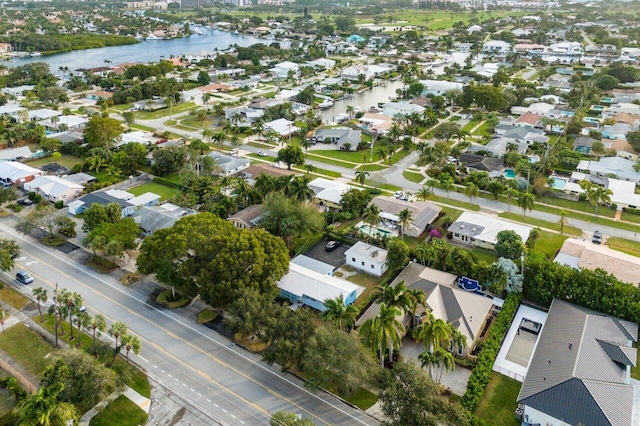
x,y
508,373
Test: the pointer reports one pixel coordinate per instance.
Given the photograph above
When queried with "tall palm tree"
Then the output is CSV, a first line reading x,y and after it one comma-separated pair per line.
x,y
424,193
471,190
371,216
73,301
446,183
458,340
383,329
131,343
339,314
398,296
118,330
405,217
44,409
444,360
597,195
41,297
511,193
298,188
98,323
433,332
526,201
361,177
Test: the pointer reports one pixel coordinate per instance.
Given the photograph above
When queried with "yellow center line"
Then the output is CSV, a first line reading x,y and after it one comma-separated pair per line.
x,y
171,334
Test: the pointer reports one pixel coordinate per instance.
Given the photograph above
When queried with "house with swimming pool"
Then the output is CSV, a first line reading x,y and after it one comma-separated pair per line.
x,y
482,231
423,214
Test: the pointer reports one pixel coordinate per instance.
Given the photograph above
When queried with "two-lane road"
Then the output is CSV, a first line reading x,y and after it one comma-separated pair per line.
x,y
230,385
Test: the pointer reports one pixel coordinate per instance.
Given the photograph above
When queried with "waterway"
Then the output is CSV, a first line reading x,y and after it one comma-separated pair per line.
x,y
145,51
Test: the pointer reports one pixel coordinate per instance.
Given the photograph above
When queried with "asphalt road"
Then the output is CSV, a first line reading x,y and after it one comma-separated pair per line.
x,y
228,384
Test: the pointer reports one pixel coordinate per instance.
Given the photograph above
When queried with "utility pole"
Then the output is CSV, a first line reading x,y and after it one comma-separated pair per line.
x,y
55,312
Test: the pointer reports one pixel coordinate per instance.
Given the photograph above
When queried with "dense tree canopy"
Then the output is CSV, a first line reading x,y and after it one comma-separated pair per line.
x,y
203,254
509,244
102,131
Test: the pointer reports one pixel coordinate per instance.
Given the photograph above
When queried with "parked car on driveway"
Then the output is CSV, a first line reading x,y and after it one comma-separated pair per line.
x,y
332,245
24,277
25,202
597,237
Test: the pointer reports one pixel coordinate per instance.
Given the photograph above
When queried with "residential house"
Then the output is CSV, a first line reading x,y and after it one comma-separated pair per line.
x,y
619,167
497,47
393,109
64,122
15,154
17,91
313,264
423,214
12,111
43,114
229,165
482,231
5,48
579,373
367,72
375,123
367,258
322,63
329,192
243,117
282,127
346,138
303,286
530,120
439,87
152,218
54,188
616,131
100,197
248,217
14,173
579,253
468,312
285,69
480,162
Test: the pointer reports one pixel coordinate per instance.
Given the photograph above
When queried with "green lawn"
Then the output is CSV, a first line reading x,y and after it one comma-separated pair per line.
x,y
264,159
549,243
122,412
384,186
413,177
32,351
325,172
331,161
470,125
626,246
582,206
569,230
630,217
363,399
484,254
498,405
635,371
397,156
351,156
164,191
12,296
176,109
371,167
65,160
456,203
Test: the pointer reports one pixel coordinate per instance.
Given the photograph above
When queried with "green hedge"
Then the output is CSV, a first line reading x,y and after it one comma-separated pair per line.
x,y
482,372
167,182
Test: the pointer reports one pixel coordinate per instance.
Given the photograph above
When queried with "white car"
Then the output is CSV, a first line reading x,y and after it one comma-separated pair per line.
x,y
262,153
233,151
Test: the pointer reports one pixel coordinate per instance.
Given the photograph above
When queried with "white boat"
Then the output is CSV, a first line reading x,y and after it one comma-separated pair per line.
x,y
34,54
198,32
153,37
325,104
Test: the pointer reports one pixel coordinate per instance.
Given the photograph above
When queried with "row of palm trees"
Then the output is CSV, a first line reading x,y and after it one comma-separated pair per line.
x,y
68,303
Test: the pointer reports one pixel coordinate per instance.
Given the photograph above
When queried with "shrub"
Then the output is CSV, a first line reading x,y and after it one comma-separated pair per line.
x,y
59,204
165,298
130,278
36,198
15,207
206,316
482,372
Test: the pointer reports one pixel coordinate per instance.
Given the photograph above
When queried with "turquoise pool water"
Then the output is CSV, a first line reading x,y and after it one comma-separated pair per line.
x,y
591,120
509,174
559,183
598,108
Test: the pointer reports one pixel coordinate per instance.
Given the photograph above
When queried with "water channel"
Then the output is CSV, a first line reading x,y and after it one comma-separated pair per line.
x,y
145,51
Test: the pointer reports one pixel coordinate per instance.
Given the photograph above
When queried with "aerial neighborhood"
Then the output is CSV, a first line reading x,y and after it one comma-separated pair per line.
x,y
308,212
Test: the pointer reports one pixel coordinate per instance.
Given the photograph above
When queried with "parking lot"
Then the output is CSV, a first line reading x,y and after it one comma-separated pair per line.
x,y
335,258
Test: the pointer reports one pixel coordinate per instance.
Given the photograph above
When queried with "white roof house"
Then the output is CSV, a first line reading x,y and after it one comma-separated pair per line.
x,y
11,110
367,258
12,172
306,287
496,46
439,87
43,114
282,69
282,126
54,188
481,230
12,154
618,166
328,192
392,109
70,121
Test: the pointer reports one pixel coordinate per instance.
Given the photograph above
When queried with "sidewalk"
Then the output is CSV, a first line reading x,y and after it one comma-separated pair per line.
x,y
135,397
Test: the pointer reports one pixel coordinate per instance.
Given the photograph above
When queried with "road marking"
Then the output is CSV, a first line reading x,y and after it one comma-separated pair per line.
x,y
168,374
155,366
162,370
177,380
30,263
184,384
233,416
199,395
241,422
20,259
216,405
143,359
191,389
208,400
224,410
180,322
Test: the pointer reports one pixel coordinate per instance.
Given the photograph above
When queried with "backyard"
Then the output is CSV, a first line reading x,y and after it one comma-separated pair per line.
x,y
498,404
32,351
165,192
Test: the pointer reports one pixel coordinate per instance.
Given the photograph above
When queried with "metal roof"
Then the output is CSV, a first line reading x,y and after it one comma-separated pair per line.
x,y
574,377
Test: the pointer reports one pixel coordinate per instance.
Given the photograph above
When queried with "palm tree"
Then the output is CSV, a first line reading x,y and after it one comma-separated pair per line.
x,y
350,111
526,201
596,195
405,217
434,332
471,190
361,177
208,134
298,188
339,314
170,101
563,220
43,408
458,340
310,168
446,183
511,193
41,296
97,323
424,193
131,343
398,296
371,216
383,329
73,301
118,330
444,360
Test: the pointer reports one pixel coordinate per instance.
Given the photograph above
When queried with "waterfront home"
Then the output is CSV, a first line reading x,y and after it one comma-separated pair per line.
x,y
283,69
242,116
439,87
355,72
375,123
393,109
497,47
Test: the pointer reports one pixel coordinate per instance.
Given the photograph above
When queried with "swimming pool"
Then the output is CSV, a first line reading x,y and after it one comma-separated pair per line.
x,y
509,174
598,107
559,183
374,230
591,120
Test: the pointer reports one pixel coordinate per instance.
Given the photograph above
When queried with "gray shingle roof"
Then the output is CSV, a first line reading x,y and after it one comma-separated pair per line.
x,y
574,377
